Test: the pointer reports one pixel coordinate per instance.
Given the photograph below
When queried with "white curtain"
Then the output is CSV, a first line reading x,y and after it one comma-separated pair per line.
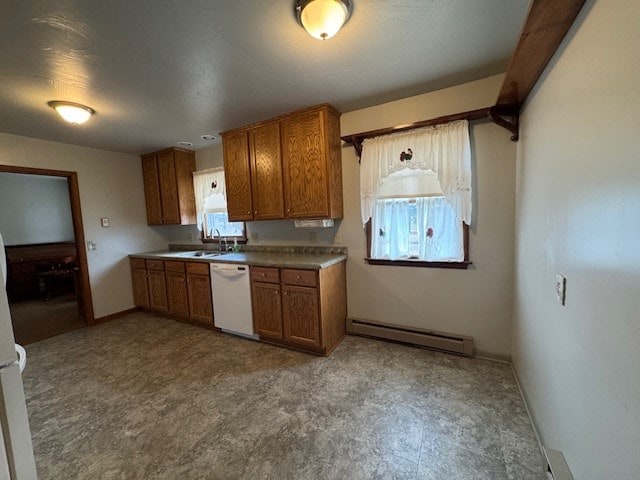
x,y
436,234
209,188
443,149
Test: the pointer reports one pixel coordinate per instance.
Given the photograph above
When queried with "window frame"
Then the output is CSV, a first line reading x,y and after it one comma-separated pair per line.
x,y
240,239
420,263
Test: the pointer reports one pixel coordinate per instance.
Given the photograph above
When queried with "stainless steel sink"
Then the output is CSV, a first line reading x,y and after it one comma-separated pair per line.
x,y
198,254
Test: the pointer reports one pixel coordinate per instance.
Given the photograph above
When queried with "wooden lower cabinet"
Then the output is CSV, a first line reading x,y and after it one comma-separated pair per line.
x,y
177,293
157,290
180,289
300,315
303,309
267,309
200,304
140,286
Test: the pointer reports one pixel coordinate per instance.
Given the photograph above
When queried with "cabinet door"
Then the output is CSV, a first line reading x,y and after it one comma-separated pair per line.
x,y
200,305
157,290
168,189
177,293
140,287
267,309
266,172
301,318
152,190
185,163
237,174
304,162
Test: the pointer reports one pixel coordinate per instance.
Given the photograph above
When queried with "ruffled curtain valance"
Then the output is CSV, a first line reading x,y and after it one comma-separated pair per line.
x,y
443,149
208,184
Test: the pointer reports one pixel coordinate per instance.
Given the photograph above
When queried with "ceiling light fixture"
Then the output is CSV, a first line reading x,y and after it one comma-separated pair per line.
x,y
72,112
322,19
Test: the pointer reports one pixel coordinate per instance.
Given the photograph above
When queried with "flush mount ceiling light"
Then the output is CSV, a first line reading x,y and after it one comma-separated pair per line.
x,y
72,112
322,19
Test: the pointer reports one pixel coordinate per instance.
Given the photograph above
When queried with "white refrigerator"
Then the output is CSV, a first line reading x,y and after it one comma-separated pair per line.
x,y
16,450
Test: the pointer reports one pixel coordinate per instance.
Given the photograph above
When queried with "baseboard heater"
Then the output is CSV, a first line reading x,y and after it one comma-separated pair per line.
x,y
557,468
460,344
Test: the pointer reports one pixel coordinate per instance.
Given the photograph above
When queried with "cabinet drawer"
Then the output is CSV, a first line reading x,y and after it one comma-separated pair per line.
x,y
303,278
137,263
267,275
174,266
155,265
198,268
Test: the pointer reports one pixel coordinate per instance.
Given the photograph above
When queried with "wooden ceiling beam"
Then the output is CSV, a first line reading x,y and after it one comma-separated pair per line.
x,y
546,25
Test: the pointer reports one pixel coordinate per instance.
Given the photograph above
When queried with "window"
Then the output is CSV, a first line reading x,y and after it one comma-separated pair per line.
x,y
211,206
422,228
416,197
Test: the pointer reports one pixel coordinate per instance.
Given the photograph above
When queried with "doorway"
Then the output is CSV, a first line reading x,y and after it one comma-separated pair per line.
x,y
47,272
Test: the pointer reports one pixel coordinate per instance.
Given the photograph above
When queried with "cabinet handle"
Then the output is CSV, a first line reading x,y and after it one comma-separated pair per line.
x,y
277,292
256,212
263,274
285,293
249,212
297,277
288,210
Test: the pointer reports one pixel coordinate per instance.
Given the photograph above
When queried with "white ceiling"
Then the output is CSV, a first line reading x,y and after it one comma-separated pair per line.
x,y
160,71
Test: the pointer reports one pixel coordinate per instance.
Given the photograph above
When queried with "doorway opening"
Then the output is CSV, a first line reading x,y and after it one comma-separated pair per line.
x,y
47,272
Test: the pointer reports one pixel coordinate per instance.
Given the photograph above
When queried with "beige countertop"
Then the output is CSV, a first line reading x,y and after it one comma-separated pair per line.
x,y
307,261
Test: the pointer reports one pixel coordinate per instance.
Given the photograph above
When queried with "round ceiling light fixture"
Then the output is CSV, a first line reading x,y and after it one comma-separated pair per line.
x,y
74,113
184,144
322,19
208,137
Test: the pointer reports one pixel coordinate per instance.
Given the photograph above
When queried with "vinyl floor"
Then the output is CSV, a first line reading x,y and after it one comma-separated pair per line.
x,y
150,398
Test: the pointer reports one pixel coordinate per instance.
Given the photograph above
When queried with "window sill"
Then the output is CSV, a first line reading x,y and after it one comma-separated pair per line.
x,y
419,263
229,240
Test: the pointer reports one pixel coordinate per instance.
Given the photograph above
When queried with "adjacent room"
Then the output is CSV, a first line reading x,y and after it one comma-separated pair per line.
x,y
320,239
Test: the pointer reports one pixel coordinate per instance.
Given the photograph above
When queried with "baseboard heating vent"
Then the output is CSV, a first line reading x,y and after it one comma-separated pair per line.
x,y
447,342
557,468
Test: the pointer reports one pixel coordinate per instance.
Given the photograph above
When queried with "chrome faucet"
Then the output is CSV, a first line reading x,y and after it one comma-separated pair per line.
x,y
220,239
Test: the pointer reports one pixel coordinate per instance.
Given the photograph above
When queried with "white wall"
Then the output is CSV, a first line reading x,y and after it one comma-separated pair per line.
x,y
477,301
579,215
34,209
110,186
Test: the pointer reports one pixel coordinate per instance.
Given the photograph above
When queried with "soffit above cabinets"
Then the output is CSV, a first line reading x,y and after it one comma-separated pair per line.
x,y
159,72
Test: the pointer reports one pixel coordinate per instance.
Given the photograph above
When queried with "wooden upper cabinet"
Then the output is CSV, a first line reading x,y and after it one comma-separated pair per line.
x,y
266,172
304,161
312,163
237,173
152,190
286,167
168,187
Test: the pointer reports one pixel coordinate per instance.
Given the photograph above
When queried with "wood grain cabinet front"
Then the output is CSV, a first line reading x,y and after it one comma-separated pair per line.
x,y
180,289
302,309
286,167
168,187
200,299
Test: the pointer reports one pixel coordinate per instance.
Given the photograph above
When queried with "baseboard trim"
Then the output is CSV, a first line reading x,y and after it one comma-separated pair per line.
x,y
532,419
114,316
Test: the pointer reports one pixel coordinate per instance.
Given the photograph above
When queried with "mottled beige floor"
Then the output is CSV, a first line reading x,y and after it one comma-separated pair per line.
x,y
146,397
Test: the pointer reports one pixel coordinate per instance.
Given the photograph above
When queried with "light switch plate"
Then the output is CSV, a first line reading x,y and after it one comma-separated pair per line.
x,y
104,221
561,288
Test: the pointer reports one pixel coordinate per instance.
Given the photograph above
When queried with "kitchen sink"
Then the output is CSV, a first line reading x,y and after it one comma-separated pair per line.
x,y
198,253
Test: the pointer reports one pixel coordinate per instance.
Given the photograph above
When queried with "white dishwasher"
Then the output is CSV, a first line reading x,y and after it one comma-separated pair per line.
x,y
231,288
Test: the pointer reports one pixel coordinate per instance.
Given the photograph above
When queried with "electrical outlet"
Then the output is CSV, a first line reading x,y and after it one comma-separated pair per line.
x,y
104,221
561,288
91,245
337,239
313,236
255,237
